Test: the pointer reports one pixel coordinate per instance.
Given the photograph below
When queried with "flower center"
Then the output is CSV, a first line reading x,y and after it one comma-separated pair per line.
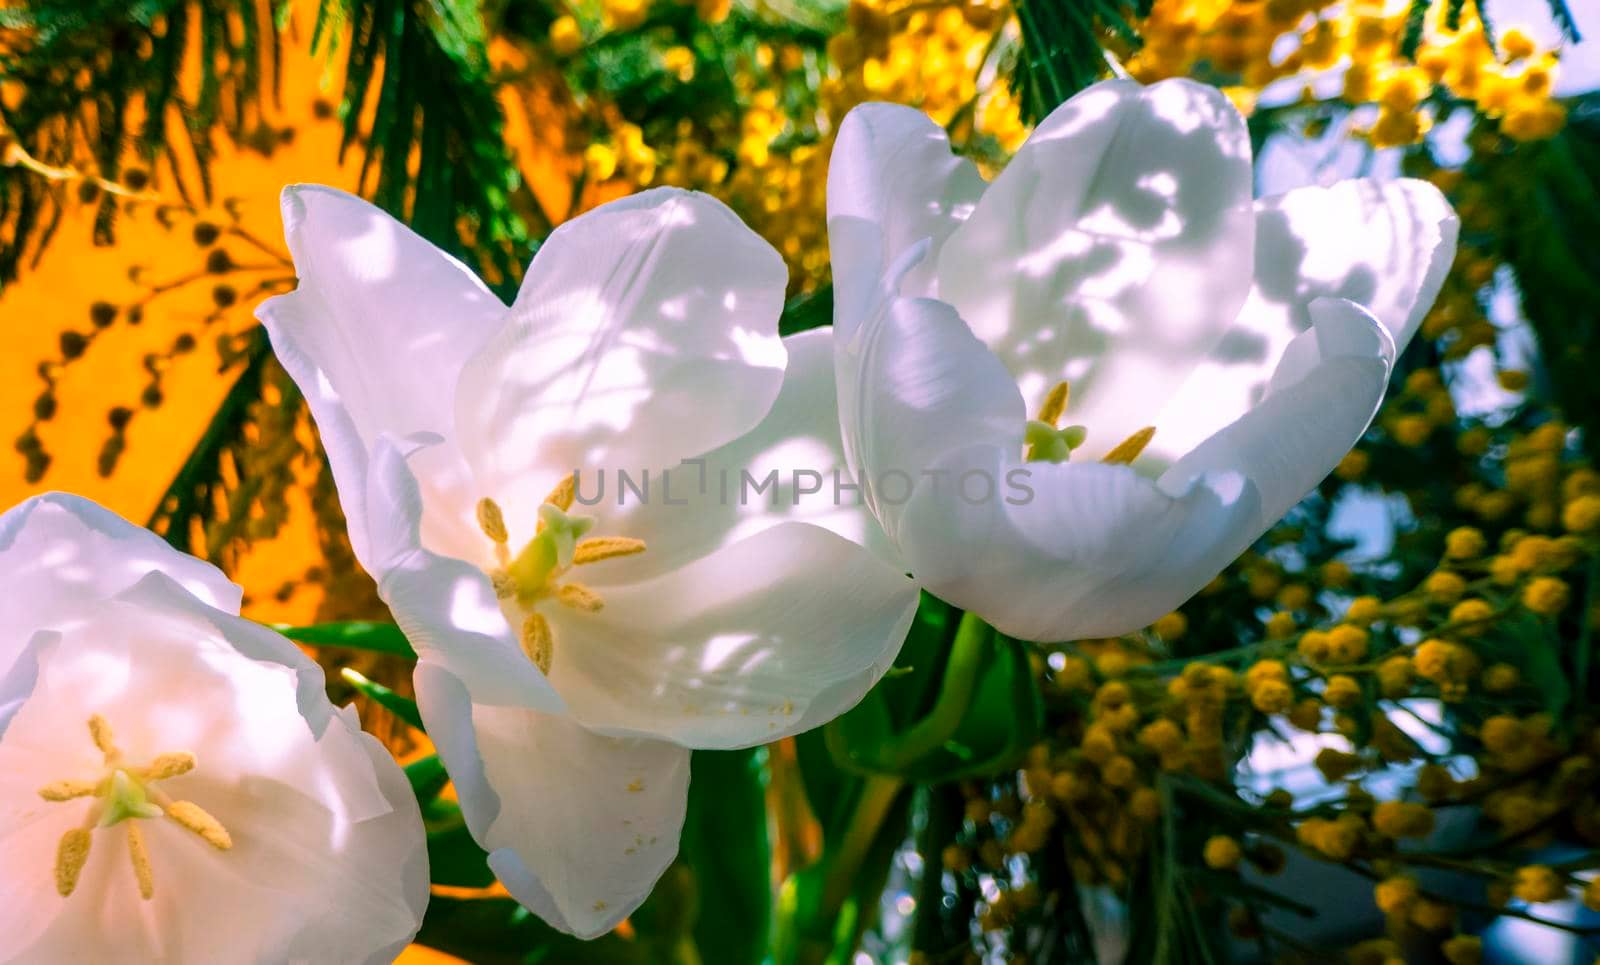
x,y
535,574
1043,442
122,793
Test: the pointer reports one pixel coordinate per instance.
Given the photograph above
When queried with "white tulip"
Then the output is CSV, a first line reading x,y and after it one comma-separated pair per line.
x,y
1222,353
174,784
572,655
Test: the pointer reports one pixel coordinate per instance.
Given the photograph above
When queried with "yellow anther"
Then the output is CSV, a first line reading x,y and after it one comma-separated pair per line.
x,y
125,798
561,497
1128,449
141,862
67,790
537,641
599,548
636,785
1055,403
533,575
492,521
196,819
100,731
579,597
167,766
71,855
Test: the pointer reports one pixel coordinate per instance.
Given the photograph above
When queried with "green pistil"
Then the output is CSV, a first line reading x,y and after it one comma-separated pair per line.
x,y
1045,443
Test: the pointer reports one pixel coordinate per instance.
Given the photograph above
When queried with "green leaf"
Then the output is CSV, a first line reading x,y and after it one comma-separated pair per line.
x,y
500,932
1233,886
355,635
986,713
402,707
1063,48
725,845
454,858
1539,650
428,778
806,311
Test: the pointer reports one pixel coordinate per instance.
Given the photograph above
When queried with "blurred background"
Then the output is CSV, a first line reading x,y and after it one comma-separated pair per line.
x,y
1431,798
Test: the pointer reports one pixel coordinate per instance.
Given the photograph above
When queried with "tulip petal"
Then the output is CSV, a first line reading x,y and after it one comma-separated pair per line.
x,y
790,468
1385,245
892,182
158,594
578,826
646,332
446,607
1062,551
1107,252
327,859
1099,550
914,384
375,336
766,638
1320,400
60,552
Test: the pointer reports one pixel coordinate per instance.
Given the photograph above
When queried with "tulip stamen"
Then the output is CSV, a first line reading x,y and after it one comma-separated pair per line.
x,y
57,791
141,863
579,597
121,795
562,496
538,643
1042,440
599,548
193,817
1055,403
71,855
493,523
534,575
1128,449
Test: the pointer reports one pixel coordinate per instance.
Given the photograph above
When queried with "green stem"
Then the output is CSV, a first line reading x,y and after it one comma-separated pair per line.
x,y
877,797
943,821
955,696
1591,597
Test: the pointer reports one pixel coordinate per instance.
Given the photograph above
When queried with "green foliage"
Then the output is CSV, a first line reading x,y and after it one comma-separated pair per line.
x,y
417,70
402,707
385,638
725,847
1063,47
963,703
423,67
1549,196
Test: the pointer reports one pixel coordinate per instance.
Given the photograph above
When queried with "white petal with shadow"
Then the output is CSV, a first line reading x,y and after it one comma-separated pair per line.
x,y
1385,245
646,332
375,336
790,468
915,384
1107,252
578,826
762,639
59,553
1063,551
893,181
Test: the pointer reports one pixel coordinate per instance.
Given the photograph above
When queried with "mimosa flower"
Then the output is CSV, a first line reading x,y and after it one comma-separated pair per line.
x,y
571,655
176,786
1210,389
